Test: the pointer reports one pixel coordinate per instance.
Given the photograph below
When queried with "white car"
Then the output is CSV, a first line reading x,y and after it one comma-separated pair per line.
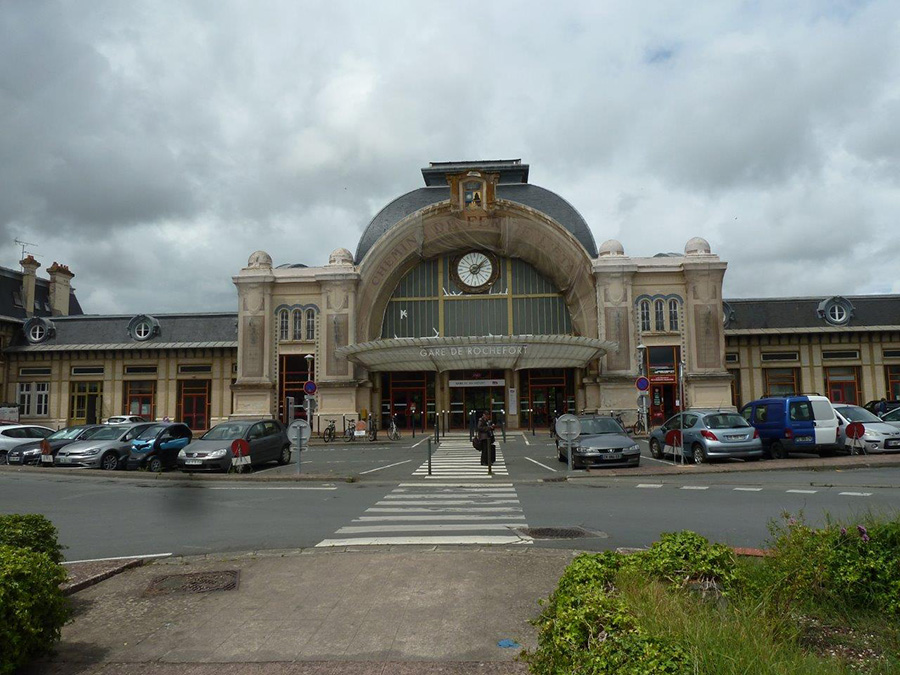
x,y
125,419
12,435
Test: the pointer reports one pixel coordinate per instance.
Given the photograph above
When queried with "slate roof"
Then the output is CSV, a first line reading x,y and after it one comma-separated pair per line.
x,y
11,297
177,331
798,314
533,196
509,170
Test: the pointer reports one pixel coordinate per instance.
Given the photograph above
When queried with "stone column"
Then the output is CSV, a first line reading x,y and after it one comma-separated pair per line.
x,y
254,388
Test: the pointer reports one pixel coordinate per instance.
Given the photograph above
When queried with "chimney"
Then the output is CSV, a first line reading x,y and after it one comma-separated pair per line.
x,y
29,280
60,287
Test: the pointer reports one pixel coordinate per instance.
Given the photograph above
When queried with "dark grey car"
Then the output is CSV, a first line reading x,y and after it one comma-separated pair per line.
x,y
602,442
213,451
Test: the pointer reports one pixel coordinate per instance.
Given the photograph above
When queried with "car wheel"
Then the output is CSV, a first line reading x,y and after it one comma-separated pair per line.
x,y
778,451
699,454
155,465
655,450
4,459
285,455
109,461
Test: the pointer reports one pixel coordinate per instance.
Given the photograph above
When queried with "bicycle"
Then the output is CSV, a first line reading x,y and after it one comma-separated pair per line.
x,y
350,431
393,431
329,432
617,417
638,427
372,427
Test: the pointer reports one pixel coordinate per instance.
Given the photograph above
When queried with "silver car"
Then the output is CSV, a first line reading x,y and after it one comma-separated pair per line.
x,y
707,435
106,448
879,436
602,442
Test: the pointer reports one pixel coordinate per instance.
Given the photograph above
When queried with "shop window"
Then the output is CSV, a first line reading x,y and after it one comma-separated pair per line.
x,y
297,333
33,398
892,375
645,316
781,381
673,315
842,385
310,324
283,324
140,398
659,315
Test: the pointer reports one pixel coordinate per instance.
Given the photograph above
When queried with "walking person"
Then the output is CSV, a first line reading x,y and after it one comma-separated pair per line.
x,y
485,431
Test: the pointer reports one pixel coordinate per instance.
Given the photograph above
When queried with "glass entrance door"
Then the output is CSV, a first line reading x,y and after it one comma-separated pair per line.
x,y
466,401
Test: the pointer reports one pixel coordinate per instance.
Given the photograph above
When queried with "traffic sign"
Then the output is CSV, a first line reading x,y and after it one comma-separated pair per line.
x,y
642,383
856,430
568,427
240,453
310,388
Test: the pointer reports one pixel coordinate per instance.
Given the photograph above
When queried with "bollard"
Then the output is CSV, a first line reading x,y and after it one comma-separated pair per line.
x,y
429,455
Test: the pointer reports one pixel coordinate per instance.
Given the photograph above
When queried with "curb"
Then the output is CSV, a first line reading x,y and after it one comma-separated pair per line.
x,y
93,579
179,475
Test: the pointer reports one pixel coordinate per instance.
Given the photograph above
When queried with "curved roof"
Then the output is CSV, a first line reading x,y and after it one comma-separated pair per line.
x,y
532,196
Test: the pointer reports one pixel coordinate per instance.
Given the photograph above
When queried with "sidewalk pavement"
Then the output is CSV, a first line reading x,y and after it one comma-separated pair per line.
x,y
311,612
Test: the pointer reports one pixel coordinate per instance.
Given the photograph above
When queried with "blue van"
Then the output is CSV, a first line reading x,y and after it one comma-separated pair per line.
x,y
795,423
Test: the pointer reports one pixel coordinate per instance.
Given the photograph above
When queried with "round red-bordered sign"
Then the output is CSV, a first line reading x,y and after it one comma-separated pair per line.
x,y
240,447
642,383
673,437
310,388
855,430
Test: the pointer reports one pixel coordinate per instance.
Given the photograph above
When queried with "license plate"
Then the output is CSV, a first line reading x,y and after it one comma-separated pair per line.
x,y
612,455
15,460
193,462
736,438
804,439
892,444
47,459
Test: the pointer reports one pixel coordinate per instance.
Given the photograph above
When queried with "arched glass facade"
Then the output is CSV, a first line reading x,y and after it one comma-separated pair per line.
x,y
428,303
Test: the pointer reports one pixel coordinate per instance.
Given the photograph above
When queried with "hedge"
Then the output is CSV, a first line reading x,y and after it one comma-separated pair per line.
x,y
30,531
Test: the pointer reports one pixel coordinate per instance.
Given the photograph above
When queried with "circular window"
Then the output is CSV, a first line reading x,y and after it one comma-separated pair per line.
x,y
143,330
837,314
37,333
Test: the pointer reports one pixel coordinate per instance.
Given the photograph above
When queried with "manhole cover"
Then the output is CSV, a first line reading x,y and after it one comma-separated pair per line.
x,y
195,582
558,532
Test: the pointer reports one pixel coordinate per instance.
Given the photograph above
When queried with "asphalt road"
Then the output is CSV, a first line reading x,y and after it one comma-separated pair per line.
x,y
105,516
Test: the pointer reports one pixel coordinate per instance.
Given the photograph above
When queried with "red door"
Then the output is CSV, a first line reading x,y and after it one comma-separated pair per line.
x,y
194,404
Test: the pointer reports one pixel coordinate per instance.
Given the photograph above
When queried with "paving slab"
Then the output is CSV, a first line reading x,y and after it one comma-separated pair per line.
x,y
390,610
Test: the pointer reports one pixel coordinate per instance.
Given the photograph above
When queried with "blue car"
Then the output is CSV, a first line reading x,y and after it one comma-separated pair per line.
x,y
794,423
157,447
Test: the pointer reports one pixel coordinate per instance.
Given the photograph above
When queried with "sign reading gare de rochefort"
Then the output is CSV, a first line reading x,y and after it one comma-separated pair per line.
x,y
477,291
480,291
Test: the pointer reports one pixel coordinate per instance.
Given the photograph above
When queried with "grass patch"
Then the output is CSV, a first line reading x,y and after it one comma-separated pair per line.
x,y
825,601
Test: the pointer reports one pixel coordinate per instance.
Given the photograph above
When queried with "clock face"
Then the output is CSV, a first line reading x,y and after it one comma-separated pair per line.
x,y
475,271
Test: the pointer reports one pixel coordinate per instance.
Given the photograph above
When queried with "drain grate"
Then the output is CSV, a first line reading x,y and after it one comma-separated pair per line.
x,y
558,532
195,582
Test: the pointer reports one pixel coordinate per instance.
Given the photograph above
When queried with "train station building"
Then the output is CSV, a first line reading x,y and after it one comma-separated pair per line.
x,y
478,290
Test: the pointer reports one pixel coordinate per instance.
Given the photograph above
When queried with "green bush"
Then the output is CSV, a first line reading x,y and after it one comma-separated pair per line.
x,y
32,606
31,531
840,566
686,557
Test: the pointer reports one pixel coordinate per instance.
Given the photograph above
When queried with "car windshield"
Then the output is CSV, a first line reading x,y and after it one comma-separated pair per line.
x,y
893,416
224,432
600,425
853,413
66,434
151,432
104,434
725,421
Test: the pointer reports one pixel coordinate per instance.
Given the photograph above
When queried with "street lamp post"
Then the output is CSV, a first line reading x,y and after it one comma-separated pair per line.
x,y
643,408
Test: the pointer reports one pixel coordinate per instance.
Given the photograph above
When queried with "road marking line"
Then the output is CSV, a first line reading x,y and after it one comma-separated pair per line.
x,y
744,489
385,467
539,464
856,494
649,485
433,541
447,509
695,487
121,557
452,495
364,519
803,492
416,445
525,438
462,485
450,502
271,488
429,527
653,459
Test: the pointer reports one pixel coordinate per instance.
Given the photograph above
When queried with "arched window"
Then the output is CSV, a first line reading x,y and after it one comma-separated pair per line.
x,y
660,315
283,324
297,329
645,315
310,324
673,315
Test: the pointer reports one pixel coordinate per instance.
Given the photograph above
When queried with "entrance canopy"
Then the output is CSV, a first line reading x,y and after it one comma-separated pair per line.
x,y
516,352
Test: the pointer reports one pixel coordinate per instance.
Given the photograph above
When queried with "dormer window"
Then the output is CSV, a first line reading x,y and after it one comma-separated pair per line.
x,y
38,329
837,311
143,327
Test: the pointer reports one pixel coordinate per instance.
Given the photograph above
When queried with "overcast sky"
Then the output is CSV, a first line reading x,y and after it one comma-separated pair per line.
x,y
153,146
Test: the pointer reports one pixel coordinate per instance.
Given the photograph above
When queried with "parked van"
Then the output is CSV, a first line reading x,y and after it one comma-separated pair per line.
x,y
795,423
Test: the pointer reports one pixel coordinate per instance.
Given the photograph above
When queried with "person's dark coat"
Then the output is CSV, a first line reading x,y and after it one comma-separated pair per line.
x,y
486,441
